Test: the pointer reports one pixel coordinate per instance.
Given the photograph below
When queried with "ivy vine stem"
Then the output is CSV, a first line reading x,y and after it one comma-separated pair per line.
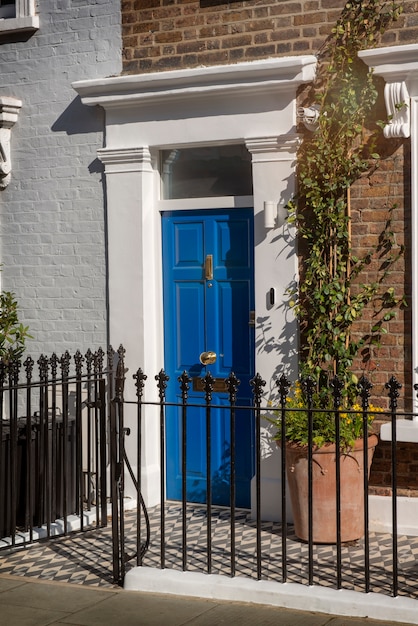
x,y
334,292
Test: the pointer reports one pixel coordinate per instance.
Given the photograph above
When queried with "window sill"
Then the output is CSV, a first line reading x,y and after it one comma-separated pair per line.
x,y
19,24
406,430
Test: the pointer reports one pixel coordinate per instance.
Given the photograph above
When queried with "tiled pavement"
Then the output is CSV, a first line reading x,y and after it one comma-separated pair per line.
x,y
86,558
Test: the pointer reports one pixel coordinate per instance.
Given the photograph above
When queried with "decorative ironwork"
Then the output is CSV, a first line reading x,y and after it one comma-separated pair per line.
x,y
364,387
78,359
65,365
283,384
257,384
308,386
47,448
120,375
232,384
336,385
208,382
140,379
110,357
89,361
393,387
98,361
162,380
184,380
28,365
43,367
60,444
53,361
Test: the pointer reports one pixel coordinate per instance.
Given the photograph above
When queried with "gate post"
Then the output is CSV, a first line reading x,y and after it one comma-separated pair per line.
x,y
116,470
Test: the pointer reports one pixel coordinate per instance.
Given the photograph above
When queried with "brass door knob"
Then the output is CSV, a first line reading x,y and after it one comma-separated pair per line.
x,y
207,358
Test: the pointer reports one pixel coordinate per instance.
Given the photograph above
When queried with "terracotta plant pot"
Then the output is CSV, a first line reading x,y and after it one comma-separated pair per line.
x,y
324,490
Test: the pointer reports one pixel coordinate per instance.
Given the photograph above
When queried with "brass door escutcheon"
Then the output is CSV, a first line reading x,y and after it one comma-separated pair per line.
x,y
207,358
209,267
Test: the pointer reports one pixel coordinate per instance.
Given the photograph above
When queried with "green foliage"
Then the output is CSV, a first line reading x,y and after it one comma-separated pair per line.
x,y
13,334
331,296
323,419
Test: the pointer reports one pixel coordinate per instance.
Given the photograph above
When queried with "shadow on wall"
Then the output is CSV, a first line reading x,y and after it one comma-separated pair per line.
x,y
78,119
271,338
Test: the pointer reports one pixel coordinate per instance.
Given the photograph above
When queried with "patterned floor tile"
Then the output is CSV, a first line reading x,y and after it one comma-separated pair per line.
x,y
86,558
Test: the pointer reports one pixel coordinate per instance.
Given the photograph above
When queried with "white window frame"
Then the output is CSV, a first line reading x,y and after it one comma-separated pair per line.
x,y
25,19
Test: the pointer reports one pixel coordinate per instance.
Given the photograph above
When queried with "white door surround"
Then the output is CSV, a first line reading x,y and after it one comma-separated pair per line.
x,y
249,103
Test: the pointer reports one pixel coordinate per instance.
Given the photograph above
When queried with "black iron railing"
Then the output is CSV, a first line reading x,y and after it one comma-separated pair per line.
x,y
186,553
64,452
53,453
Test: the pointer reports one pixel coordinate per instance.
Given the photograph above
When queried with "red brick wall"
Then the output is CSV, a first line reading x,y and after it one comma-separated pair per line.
x,y
161,35
371,198
406,469
168,34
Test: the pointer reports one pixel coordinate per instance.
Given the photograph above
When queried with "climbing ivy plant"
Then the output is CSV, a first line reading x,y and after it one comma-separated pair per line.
x,y
331,295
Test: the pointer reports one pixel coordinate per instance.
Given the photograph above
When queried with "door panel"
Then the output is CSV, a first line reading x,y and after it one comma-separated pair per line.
x,y
203,314
191,311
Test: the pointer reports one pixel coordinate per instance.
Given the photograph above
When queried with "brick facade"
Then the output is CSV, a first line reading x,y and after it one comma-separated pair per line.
x,y
406,469
371,200
171,34
161,35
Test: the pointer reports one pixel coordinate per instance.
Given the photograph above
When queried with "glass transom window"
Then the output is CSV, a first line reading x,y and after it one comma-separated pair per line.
x,y
206,172
7,8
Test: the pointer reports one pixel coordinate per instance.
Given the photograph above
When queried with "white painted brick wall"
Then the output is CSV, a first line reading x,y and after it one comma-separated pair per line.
x,y
52,220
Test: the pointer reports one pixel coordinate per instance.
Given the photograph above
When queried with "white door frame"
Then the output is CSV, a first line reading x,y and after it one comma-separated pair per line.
x,y
248,103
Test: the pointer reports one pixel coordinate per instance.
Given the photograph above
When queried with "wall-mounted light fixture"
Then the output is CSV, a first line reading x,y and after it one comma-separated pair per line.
x,y
309,116
270,212
275,213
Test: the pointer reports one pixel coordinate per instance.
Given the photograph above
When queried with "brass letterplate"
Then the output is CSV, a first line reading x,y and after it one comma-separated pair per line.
x,y
218,384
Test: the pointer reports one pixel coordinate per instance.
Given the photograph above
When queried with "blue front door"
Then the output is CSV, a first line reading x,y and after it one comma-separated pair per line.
x,y
208,304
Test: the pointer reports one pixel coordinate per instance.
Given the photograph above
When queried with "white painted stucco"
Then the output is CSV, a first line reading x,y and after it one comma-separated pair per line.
x,y
249,103
52,219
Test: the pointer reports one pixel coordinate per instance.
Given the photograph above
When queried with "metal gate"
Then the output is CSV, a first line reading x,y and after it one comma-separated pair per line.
x,y
62,450
53,454
119,464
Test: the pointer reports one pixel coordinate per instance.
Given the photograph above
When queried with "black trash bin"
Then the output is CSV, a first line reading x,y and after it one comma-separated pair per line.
x,y
43,489
12,487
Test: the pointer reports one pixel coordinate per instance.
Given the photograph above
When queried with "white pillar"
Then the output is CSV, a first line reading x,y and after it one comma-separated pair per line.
x,y
134,262
274,162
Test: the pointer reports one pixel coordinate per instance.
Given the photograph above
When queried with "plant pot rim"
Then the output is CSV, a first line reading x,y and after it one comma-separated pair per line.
x,y
328,447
